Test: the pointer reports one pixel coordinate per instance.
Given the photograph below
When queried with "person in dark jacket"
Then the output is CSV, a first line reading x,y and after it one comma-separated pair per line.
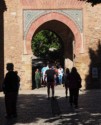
x,y
74,86
51,75
10,89
66,80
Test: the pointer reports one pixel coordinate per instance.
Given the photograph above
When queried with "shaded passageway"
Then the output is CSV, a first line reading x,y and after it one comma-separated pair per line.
x,y
35,109
3,8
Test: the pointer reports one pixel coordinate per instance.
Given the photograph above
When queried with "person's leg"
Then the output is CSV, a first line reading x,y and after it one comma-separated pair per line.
x,y
45,81
71,97
76,94
66,91
48,90
57,80
52,88
61,79
8,105
36,81
39,84
14,104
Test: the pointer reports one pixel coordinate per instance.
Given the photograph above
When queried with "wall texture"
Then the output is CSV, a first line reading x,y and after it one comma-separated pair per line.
x,y
14,46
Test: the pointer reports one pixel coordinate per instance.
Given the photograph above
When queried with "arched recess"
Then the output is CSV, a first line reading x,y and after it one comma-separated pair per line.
x,y
59,17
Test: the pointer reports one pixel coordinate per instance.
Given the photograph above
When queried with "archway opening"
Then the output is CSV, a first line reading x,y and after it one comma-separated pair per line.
x,y
52,42
48,45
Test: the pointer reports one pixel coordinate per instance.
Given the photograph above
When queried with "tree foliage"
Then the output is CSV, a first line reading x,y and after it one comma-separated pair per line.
x,y
93,2
44,43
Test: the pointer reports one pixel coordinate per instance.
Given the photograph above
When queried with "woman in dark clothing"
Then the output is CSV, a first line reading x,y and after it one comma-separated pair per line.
x,y
66,80
10,89
74,86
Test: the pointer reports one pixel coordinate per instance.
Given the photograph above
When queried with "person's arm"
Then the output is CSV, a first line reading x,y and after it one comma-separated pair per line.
x,y
79,81
45,76
3,85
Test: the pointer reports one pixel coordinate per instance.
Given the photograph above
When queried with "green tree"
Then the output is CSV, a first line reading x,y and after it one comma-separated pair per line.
x,y
93,2
45,43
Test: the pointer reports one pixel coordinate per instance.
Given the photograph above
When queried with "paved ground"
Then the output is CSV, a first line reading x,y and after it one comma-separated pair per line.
x,y
35,109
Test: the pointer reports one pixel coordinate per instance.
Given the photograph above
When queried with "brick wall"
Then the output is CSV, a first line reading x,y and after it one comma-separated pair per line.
x,y
11,30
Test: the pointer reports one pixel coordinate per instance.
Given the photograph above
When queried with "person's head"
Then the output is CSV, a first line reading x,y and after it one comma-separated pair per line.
x,y
60,66
45,65
50,65
74,70
67,70
10,66
16,72
37,70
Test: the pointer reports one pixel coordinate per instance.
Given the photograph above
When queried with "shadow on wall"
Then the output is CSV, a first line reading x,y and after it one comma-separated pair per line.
x,y
93,2
2,10
93,80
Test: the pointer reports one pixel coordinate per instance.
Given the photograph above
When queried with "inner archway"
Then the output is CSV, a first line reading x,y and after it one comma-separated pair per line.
x,y
66,38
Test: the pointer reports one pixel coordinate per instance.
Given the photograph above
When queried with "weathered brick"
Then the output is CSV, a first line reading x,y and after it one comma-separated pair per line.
x,y
12,46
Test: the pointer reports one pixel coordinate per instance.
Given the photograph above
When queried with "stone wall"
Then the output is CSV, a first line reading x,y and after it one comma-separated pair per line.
x,y
92,43
13,41
12,20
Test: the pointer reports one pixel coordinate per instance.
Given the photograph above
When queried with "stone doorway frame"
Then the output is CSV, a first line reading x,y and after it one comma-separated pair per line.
x,y
78,35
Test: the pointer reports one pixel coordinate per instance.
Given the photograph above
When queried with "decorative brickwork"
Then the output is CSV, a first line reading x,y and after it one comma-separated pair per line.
x,y
59,17
51,4
31,15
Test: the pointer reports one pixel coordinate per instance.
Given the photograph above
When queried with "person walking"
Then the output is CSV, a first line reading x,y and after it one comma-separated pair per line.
x,y
37,78
51,75
10,89
43,70
74,86
56,78
66,81
60,74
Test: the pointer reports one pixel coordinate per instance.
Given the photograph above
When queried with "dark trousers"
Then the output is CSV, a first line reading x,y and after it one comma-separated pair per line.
x,y
10,103
50,85
73,99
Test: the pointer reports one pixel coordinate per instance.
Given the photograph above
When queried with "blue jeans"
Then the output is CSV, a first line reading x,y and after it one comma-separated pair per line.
x,y
60,79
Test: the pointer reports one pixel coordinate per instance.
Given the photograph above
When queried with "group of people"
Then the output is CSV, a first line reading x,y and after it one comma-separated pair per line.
x,y
41,79
70,80
11,84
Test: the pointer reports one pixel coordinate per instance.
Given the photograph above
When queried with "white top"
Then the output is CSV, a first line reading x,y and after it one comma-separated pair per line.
x,y
60,71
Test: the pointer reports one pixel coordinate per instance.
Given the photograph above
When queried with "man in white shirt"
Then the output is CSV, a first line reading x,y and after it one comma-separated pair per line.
x,y
43,70
60,74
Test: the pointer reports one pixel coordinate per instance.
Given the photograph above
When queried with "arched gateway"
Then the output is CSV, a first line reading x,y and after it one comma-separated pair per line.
x,y
64,23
